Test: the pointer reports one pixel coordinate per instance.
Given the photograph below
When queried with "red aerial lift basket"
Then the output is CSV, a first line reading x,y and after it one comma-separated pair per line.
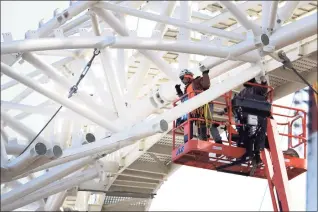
x,y
211,155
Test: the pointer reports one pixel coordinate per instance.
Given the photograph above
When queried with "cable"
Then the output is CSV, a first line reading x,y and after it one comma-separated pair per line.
x,y
73,90
303,79
287,63
263,198
41,130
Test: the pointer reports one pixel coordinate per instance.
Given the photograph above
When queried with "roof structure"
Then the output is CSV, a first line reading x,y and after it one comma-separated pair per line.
x,y
109,147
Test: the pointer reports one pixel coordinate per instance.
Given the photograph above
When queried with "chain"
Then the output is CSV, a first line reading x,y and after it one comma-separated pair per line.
x,y
74,88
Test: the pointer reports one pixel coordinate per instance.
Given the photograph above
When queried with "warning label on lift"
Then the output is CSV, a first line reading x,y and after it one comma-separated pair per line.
x,y
180,150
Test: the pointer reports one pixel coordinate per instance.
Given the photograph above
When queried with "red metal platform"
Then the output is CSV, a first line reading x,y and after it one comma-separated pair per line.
x,y
197,153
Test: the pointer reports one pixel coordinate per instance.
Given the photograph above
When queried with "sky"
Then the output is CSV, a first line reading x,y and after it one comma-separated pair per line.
x,y
188,188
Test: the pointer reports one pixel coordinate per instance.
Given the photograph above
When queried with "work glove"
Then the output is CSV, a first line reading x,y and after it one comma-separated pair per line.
x,y
178,89
263,80
204,70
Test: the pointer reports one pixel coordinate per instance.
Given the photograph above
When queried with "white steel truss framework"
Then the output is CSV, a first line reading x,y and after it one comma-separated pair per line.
x,y
108,136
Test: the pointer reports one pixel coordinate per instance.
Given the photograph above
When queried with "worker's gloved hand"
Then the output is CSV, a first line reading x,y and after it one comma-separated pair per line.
x,y
178,89
263,79
204,70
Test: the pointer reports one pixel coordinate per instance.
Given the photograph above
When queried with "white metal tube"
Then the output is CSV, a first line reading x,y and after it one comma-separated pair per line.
x,y
294,32
14,148
112,21
29,156
58,43
109,18
273,15
95,24
43,180
56,97
4,155
266,9
66,15
137,79
184,34
170,21
286,11
21,128
111,144
130,43
168,10
13,82
51,72
48,111
55,201
241,17
60,185
112,81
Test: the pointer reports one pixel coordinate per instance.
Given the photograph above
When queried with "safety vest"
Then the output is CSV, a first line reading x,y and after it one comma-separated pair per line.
x,y
201,112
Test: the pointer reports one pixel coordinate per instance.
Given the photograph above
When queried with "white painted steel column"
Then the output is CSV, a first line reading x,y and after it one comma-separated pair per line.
x,y
95,24
266,9
138,79
184,34
170,21
122,63
112,82
56,187
241,17
286,12
7,70
272,15
43,180
55,201
62,81
167,11
82,198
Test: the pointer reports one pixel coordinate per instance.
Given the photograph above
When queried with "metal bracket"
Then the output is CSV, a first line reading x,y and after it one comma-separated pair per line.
x,y
269,48
301,49
7,37
156,34
84,32
205,39
132,33
31,34
141,145
107,32
58,33
122,162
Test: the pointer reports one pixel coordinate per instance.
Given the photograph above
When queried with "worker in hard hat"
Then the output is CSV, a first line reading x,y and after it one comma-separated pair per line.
x,y
193,86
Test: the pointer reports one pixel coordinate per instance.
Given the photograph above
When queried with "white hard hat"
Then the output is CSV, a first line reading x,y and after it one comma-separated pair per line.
x,y
184,72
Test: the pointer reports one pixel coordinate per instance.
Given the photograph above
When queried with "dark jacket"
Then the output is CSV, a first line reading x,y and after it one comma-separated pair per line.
x,y
251,90
200,83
